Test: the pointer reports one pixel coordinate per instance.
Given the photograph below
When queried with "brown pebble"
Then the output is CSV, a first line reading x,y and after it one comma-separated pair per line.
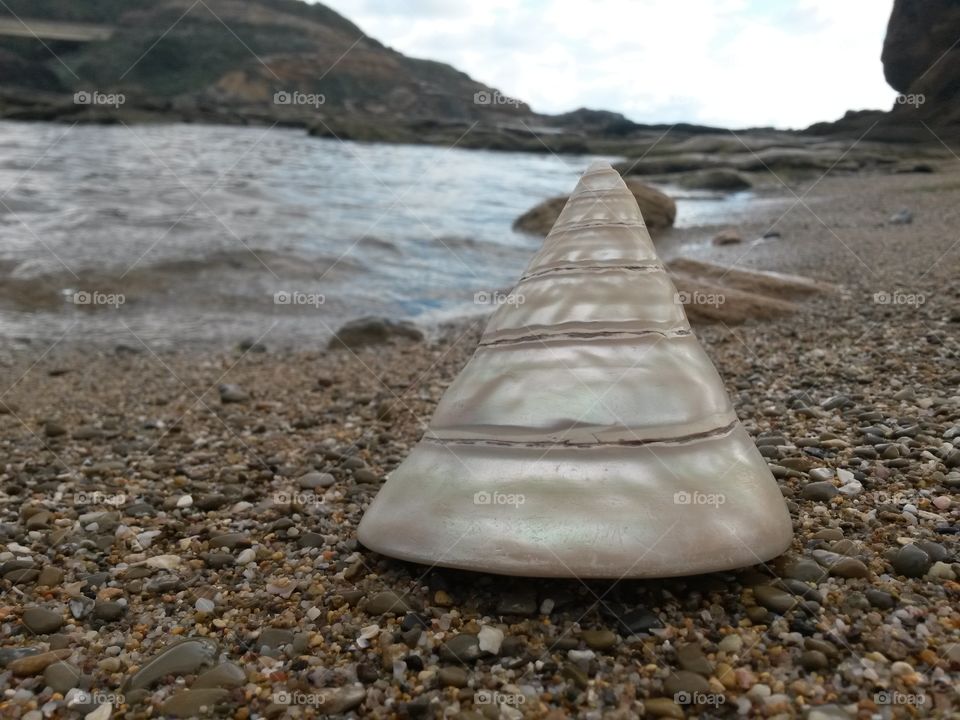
x,y
36,664
849,567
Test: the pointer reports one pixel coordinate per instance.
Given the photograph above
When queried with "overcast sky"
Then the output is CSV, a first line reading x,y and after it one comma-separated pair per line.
x,y
733,63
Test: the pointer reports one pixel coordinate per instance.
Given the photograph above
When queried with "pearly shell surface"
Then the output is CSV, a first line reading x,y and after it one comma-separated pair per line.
x,y
589,435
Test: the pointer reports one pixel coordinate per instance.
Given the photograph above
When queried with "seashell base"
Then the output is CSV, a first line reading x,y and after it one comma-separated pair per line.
x,y
610,511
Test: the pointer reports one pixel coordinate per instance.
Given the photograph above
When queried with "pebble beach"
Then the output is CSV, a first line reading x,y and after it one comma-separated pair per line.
x,y
177,528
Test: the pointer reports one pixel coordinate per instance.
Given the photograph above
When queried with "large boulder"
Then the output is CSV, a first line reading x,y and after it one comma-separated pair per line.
x,y
920,34
659,210
921,59
374,331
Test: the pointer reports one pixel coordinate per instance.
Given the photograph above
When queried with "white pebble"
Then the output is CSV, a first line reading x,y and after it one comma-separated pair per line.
x,y
845,476
490,639
185,501
731,644
101,713
247,556
941,571
581,658
851,489
942,502
901,668
546,607
204,605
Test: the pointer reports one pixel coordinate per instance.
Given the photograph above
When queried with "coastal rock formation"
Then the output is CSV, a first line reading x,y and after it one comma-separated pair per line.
x,y
921,59
659,210
921,35
589,435
720,293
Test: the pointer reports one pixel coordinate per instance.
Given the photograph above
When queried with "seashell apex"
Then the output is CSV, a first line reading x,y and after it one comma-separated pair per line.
x,y
589,435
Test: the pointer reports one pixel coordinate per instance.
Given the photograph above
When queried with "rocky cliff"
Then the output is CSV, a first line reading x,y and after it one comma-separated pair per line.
x,y
233,61
921,61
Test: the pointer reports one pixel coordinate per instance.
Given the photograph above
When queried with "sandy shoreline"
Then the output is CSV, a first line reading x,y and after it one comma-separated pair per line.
x,y
113,458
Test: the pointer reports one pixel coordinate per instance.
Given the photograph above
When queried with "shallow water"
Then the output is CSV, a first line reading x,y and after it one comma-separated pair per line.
x,y
187,233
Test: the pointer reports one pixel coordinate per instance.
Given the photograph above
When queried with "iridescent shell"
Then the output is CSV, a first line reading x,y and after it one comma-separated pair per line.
x,y
590,434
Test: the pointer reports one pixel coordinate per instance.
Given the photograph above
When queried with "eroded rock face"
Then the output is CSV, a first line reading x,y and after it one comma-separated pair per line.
x,y
921,57
919,34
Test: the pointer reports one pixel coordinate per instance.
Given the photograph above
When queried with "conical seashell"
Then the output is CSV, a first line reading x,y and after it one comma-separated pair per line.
x,y
589,435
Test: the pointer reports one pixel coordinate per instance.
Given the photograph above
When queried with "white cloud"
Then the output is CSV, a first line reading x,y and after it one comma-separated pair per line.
x,y
733,63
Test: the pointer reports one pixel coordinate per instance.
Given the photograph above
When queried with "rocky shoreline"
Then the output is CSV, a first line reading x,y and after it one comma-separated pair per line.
x,y
177,529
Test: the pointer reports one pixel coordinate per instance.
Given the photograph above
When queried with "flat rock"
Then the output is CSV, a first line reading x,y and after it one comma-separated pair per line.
x,y
230,541
453,676
774,599
191,703
182,658
684,681
848,567
599,639
880,599
61,676
819,491
340,700
804,569
36,664
50,576
690,657
224,675
108,610
41,621
275,638
663,707
462,648
390,602
313,480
